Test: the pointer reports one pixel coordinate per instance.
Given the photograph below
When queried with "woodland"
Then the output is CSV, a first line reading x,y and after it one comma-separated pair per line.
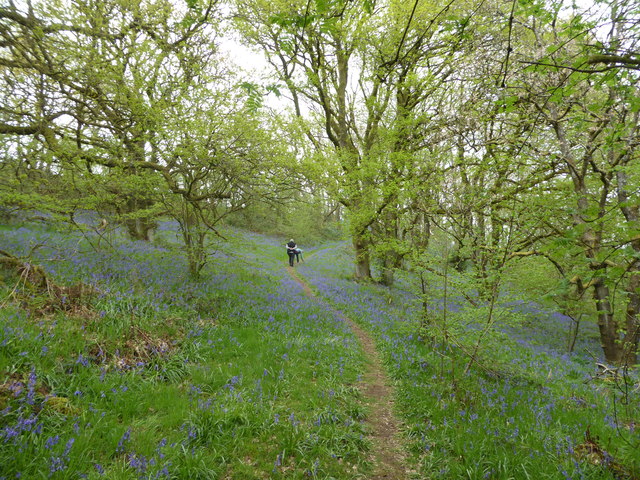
x,y
462,175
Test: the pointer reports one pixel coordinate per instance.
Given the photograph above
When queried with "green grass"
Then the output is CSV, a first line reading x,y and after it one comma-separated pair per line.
x,y
526,409
238,375
235,375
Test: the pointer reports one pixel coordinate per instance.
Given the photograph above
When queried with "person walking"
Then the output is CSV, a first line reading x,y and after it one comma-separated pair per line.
x,y
291,251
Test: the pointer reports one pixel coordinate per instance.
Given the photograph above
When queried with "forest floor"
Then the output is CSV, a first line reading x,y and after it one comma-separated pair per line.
x,y
257,371
387,455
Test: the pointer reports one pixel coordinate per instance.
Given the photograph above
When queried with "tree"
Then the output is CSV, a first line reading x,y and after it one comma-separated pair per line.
x,y
100,77
592,121
129,102
364,71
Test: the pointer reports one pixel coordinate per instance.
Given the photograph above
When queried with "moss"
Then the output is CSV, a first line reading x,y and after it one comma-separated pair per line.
x,y
61,405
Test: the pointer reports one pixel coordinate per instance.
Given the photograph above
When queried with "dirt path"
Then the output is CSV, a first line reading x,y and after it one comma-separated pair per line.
x,y
386,455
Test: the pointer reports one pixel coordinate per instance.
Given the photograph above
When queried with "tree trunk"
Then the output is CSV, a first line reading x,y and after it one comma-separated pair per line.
x,y
194,236
573,333
194,242
140,228
363,267
387,271
612,347
631,212
632,321
393,238
196,257
390,262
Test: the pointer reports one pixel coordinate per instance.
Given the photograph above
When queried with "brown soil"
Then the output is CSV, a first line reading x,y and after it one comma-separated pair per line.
x,y
387,456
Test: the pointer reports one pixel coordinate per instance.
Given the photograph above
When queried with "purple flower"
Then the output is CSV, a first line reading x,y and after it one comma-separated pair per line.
x,y
82,360
277,463
31,387
68,446
123,440
51,442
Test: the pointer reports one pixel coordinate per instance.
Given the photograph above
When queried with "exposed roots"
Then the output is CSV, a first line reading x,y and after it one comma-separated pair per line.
x,y
29,274
35,291
592,452
139,349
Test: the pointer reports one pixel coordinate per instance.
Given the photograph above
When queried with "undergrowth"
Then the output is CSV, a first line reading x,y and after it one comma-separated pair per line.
x,y
238,375
524,408
233,375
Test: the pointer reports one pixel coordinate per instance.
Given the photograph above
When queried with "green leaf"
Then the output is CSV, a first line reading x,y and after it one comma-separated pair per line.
x,y
254,95
279,19
329,25
249,87
322,6
302,21
298,21
187,21
274,88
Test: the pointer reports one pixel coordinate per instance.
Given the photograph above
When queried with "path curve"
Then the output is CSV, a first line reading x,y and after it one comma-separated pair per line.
x,y
387,455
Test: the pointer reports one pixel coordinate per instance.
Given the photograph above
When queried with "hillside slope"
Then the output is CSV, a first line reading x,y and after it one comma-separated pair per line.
x,y
143,372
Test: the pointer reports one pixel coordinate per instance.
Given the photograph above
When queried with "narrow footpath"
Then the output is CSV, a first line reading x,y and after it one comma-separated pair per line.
x,y
386,455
